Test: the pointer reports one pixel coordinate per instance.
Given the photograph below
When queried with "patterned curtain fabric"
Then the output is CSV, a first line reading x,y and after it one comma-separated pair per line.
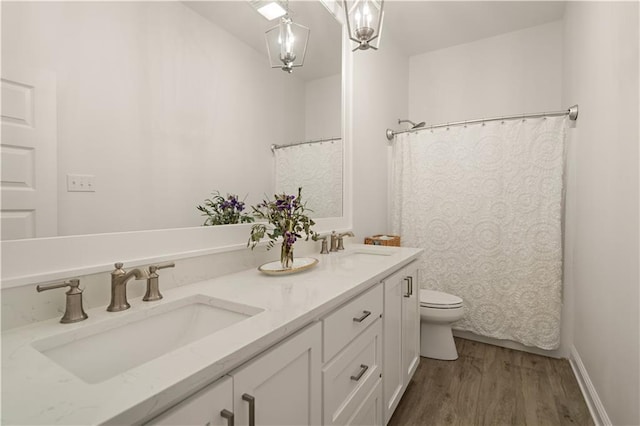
x,y
485,202
317,168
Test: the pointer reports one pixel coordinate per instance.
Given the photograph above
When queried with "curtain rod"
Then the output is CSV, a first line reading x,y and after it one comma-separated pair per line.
x,y
274,146
572,112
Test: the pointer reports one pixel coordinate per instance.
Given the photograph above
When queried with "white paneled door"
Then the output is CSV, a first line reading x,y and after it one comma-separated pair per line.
x,y
29,153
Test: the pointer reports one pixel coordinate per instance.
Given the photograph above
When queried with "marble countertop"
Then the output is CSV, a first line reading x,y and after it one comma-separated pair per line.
x,y
36,390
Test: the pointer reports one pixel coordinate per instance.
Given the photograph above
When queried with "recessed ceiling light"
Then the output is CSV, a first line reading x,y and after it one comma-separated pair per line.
x,y
272,10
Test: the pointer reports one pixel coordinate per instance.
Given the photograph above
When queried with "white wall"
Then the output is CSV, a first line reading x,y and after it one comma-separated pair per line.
x,y
511,73
158,103
380,81
323,110
601,75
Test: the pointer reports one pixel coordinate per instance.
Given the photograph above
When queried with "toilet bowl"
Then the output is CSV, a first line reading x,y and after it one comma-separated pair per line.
x,y
438,311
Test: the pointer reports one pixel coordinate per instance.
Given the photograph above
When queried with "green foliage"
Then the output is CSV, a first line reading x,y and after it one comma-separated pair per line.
x,y
286,215
224,211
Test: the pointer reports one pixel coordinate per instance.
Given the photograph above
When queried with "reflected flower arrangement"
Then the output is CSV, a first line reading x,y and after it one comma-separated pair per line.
x,y
224,211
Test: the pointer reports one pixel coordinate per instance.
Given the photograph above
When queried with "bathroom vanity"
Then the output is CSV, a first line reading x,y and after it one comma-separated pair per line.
x,y
333,345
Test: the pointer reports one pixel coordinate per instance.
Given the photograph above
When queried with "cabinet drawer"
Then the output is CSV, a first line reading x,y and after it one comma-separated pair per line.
x,y
343,325
349,378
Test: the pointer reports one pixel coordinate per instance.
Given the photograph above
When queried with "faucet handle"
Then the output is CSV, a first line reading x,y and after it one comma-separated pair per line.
x,y
74,311
324,249
154,268
153,282
69,283
334,241
341,237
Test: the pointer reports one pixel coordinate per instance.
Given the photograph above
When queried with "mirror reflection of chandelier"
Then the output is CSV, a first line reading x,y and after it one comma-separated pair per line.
x,y
364,22
287,44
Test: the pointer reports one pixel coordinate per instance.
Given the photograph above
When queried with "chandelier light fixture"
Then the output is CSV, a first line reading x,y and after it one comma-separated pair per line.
x,y
287,44
364,22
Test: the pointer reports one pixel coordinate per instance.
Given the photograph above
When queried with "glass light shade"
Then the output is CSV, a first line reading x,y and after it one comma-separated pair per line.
x,y
364,22
287,44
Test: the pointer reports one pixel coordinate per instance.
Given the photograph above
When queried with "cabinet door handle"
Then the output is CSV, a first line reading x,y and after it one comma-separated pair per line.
x,y
410,285
365,314
363,369
252,408
227,415
408,293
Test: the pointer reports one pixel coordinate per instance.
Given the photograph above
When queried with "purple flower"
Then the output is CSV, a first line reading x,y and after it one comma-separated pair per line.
x,y
289,238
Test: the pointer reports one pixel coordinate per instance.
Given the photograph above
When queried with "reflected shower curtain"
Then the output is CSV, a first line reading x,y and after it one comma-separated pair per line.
x,y
317,168
485,202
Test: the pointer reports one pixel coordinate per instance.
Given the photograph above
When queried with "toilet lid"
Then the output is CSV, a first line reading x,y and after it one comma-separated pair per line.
x,y
438,299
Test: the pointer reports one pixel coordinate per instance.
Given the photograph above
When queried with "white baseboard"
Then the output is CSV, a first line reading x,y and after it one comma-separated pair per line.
x,y
598,413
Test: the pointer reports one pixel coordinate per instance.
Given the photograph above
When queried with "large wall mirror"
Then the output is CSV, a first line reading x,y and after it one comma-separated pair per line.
x,y
119,118
146,108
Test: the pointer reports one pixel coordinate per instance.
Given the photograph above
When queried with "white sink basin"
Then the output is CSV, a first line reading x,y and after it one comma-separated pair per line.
x,y
98,352
373,251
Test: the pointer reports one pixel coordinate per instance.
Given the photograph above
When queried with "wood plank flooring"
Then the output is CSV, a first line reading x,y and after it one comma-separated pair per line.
x,y
490,385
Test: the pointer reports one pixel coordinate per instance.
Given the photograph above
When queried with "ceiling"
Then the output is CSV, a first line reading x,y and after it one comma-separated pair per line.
x,y
324,50
422,26
416,26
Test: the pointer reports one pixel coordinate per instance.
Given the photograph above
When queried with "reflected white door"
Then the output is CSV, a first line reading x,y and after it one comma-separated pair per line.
x,y
28,151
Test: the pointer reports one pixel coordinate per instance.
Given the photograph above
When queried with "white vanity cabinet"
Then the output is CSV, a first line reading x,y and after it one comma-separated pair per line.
x,y
352,373
401,334
281,386
350,368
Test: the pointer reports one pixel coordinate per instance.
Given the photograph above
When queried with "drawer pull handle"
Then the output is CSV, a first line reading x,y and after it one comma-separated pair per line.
x,y
227,415
363,369
252,408
365,314
408,293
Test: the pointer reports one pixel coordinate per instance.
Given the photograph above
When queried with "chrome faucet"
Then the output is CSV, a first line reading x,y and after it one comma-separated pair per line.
x,y
119,280
341,237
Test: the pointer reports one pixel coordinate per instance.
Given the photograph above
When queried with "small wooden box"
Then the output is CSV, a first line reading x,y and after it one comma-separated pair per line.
x,y
383,240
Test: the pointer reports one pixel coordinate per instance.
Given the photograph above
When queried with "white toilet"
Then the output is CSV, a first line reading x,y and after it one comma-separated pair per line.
x,y
438,311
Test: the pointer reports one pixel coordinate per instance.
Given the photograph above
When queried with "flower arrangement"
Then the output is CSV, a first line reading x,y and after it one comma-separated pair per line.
x,y
286,214
224,211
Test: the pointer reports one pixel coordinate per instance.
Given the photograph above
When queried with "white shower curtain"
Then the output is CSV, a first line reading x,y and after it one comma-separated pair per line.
x,y
317,168
485,202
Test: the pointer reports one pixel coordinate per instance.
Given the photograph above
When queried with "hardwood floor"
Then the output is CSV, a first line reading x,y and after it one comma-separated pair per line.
x,y
490,385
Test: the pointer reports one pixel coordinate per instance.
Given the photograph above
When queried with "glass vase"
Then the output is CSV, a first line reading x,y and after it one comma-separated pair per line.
x,y
286,256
